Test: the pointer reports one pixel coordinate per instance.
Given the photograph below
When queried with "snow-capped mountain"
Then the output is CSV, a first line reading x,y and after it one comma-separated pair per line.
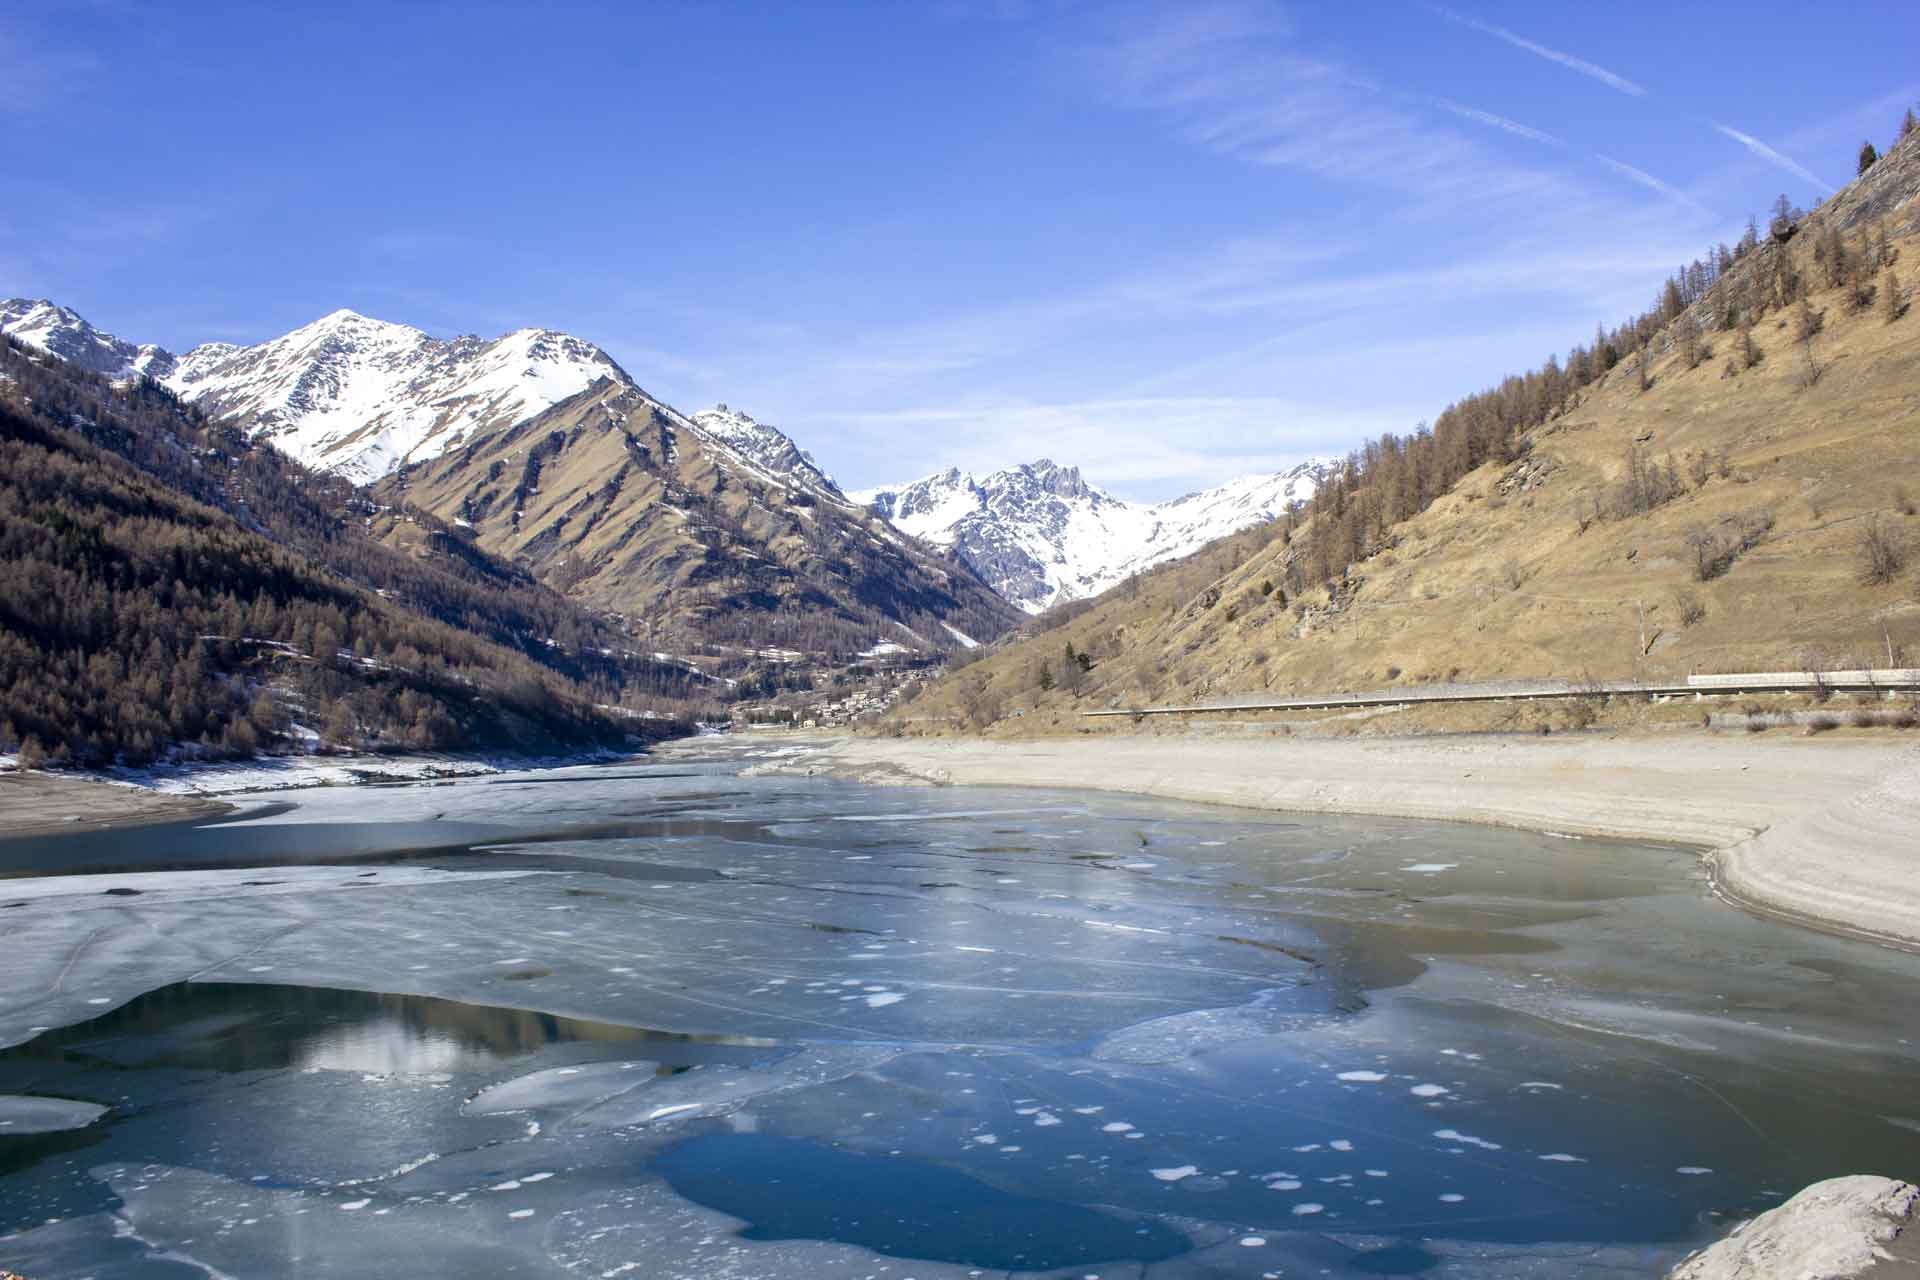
x,y
364,397
537,447
1041,535
346,393
361,397
768,448
62,332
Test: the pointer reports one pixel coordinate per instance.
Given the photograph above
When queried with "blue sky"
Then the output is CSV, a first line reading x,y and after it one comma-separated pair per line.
x,y
1171,243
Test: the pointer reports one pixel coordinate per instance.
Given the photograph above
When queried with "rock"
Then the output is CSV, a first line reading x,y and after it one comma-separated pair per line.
x,y
1834,1230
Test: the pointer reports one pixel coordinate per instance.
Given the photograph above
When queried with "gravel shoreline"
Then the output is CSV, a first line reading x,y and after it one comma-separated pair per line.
x,y
38,804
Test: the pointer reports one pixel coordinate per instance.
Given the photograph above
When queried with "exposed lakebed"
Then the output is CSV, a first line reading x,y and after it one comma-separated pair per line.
x,y
667,1021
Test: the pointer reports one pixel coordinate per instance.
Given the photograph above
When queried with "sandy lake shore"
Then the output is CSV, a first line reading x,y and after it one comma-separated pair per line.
x,y
35,804
1821,831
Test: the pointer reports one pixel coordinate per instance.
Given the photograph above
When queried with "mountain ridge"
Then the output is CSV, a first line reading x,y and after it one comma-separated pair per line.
x,y
366,399
1041,535
538,447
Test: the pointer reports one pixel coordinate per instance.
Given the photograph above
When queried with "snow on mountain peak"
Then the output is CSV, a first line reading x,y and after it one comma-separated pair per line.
x,y
360,396
62,331
347,392
765,447
1039,534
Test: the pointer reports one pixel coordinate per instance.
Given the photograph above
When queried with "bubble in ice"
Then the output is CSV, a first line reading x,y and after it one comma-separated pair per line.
x,y
1174,1174
1308,1209
1363,1077
1428,1090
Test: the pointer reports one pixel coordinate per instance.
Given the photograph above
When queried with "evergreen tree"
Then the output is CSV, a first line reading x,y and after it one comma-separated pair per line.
x,y
1671,303
1867,156
1780,225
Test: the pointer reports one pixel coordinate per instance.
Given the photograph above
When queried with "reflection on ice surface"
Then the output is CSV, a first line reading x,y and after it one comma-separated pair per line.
x,y
386,1048
243,1026
637,1022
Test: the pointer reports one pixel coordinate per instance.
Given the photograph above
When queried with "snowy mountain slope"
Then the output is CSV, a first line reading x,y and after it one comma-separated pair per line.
x,y
768,448
361,397
347,393
1040,534
62,332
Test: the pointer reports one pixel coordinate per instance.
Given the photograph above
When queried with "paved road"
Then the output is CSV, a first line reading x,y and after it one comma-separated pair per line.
x,y
1883,681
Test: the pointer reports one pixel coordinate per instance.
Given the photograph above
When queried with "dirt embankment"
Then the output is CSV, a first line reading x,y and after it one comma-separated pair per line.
x,y
38,804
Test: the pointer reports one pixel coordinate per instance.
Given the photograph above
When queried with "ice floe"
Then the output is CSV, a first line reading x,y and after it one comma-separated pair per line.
x,y
22,1115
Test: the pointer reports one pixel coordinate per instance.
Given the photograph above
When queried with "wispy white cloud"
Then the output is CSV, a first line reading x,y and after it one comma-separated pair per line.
x,y
1228,78
1591,70
1326,333
1774,157
1652,183
1496,121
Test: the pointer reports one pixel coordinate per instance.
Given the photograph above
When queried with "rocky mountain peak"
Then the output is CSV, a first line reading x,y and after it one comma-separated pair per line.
x,y
1039,533
765,447
62,331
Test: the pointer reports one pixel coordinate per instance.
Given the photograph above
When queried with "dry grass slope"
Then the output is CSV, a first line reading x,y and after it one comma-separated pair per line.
x,y
610,501
1736,514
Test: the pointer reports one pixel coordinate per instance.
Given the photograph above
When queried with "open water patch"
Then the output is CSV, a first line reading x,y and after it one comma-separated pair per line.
x,y
788,1189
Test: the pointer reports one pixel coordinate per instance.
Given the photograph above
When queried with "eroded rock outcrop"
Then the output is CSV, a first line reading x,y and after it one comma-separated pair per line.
x,y
1840,1229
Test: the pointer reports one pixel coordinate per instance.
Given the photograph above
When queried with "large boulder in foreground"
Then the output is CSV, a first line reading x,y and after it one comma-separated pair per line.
x,y
1858,1226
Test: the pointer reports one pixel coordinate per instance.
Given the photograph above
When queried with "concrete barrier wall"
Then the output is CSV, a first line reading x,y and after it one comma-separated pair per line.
x,y
1884,677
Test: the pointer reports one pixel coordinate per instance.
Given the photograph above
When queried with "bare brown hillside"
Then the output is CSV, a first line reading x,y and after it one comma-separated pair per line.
x,y
626,507
1742,510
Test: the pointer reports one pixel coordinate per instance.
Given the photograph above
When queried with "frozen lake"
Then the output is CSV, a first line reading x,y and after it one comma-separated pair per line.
x,y
662,1020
